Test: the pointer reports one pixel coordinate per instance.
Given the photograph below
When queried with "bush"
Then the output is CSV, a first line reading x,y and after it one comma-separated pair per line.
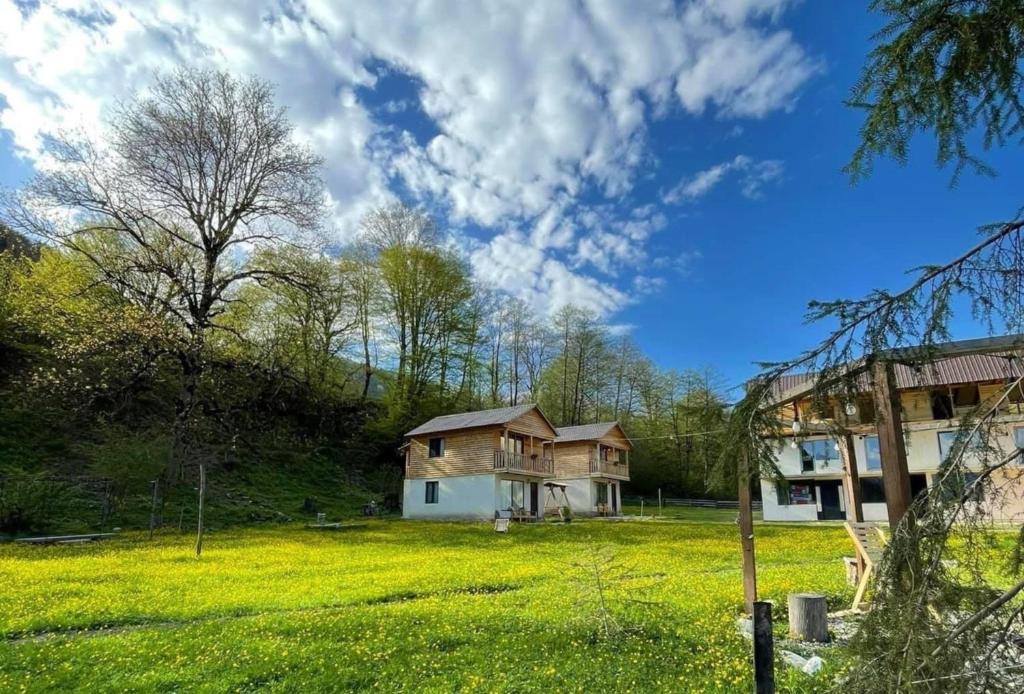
x,y
33,503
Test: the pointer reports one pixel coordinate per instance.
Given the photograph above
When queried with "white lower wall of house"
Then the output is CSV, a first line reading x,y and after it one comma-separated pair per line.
x,y
772,511
583,496
470,497
875,512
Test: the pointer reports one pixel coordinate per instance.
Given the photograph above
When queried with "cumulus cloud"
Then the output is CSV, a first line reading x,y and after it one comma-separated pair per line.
x,y
752,174
538,110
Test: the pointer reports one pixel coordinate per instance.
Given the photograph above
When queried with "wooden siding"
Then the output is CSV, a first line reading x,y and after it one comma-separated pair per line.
x,y
917,405
466,452
532,424
572,459
617,438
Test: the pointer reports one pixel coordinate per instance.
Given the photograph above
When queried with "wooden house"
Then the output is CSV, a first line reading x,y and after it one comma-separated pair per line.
x,y
593,462
476,465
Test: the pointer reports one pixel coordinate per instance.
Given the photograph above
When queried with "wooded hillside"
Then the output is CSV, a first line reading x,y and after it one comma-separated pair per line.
x,y
171,310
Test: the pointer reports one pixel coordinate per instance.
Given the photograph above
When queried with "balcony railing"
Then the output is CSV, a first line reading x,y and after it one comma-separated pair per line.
x,y
521,462
608,467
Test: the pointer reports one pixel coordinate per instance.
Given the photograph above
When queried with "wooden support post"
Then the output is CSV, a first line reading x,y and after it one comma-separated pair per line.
x,y
746,523
202,500
764,649
851,482
891,446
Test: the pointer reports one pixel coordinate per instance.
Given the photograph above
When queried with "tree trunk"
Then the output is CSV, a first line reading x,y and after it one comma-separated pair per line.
x,y
808,617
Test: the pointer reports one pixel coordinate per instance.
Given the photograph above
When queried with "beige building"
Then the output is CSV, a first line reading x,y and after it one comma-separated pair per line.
x,y
933,400
511,461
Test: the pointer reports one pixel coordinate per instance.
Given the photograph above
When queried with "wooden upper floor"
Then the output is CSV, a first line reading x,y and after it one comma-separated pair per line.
x,y
517,439
592,450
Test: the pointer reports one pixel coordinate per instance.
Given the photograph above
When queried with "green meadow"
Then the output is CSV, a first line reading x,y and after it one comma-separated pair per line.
x,y
635,606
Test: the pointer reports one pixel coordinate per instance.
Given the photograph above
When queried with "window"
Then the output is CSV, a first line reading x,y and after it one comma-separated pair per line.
x,y
872,490
801,494
782,493
872,454
515,443
513,494
794,494
602,492
436,448
942,405
1018,437
956,484
820,453
431,493
946,440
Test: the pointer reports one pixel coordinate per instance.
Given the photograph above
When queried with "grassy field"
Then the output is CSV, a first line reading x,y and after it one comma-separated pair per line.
x,y
402,606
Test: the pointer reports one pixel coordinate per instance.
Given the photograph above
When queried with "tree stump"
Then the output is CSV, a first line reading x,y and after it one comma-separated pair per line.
x,y
808,617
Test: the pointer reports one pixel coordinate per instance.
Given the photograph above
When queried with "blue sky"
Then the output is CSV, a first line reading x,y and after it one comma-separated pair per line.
x,y
676,168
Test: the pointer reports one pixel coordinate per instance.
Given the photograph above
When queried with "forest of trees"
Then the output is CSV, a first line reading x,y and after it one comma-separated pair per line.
x,y
171,311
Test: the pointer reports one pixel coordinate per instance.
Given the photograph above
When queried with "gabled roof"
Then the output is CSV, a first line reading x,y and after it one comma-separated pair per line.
x,y
586,432
480,418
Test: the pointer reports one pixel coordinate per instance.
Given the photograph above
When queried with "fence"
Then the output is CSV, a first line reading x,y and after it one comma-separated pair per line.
x,y
696,503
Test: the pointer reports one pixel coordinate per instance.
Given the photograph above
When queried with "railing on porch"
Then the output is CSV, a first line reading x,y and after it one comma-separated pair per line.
x,y
608,467
521,462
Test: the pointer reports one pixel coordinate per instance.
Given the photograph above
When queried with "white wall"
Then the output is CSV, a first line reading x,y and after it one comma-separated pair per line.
x,y
771,511
583,497
471,497
922,450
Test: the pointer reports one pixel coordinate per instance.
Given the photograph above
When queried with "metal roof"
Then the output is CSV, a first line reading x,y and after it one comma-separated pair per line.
x,y
480,418
971,368
583,432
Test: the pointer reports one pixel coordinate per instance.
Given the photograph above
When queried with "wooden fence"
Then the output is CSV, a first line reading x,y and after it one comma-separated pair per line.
x,y
697,503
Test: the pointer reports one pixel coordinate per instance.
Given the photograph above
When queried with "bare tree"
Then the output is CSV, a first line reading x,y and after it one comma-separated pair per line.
x,y
190,178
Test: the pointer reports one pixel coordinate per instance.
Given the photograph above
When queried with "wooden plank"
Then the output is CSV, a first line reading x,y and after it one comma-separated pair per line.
x,y
64,539
892,447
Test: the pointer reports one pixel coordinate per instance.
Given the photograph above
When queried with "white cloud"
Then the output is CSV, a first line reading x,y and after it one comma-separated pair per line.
x,y
753,175
540,107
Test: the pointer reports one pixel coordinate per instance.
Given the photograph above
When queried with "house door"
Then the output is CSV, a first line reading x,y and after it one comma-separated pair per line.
x,y
613,493
535,498
828,494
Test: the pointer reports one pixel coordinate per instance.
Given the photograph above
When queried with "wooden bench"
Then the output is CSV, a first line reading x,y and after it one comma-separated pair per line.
x,y
869,540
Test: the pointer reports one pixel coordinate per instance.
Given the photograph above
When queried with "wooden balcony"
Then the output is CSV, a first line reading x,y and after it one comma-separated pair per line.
x,y
608,468
523,463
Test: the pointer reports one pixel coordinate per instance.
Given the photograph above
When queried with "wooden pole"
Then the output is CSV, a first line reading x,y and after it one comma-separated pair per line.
x,y
851,479
746,523
152,510
764,649
202,499
891,446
